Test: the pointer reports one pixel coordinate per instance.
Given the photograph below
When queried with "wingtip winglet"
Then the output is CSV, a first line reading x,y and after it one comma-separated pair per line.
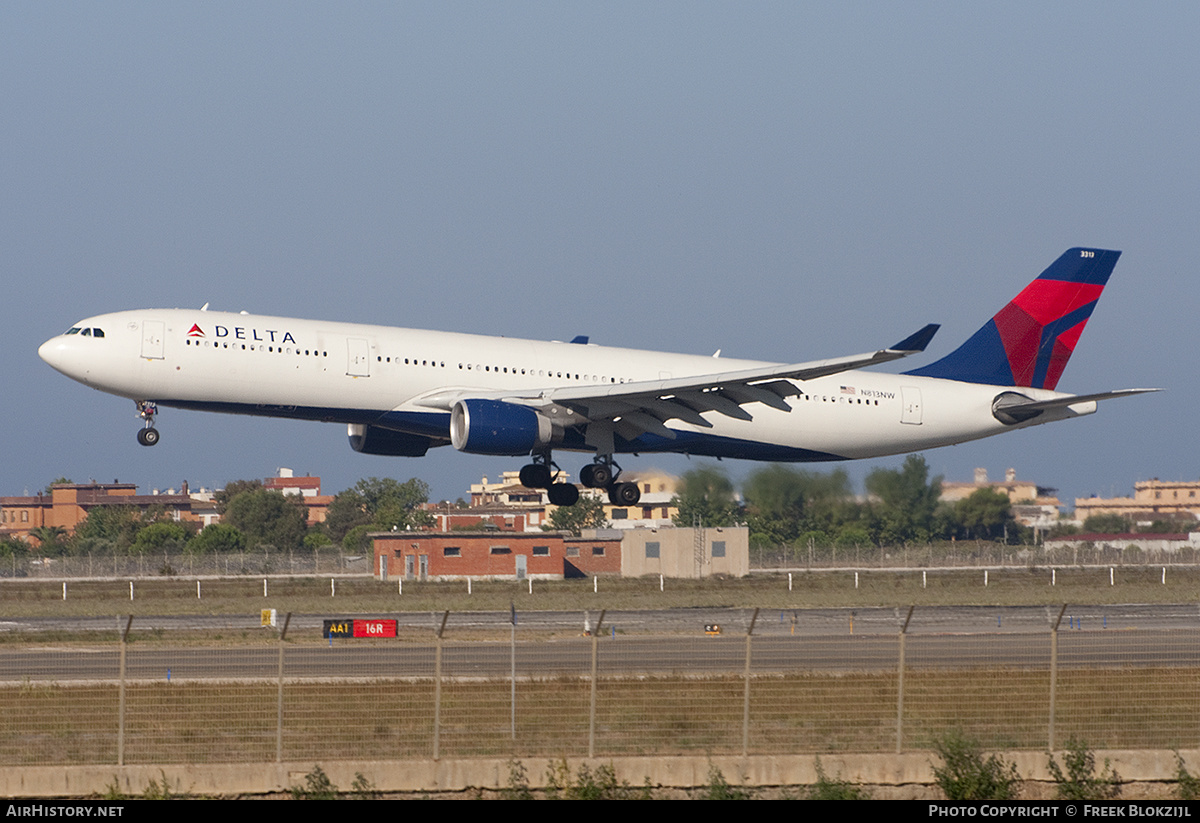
x,y
919,340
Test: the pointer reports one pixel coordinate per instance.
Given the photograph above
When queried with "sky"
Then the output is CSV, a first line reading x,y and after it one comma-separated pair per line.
x,y
781,181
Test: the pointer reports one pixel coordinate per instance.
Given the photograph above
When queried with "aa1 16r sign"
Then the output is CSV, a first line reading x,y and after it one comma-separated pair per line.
x,y
360,628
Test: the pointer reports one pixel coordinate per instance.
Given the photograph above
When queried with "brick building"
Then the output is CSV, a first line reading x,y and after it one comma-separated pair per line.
x,y
67,505
492,555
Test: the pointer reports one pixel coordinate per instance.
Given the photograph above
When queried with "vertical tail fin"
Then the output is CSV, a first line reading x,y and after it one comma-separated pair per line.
x,y
1029,341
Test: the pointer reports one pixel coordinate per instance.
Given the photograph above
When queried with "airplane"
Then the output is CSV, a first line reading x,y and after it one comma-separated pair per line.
x,y
402,391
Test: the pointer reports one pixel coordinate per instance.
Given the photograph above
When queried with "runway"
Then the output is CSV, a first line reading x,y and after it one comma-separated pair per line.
x,y
550,644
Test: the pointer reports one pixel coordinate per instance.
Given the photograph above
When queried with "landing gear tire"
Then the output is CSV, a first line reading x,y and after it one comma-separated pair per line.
x,y
148,437
596,476
536,476
563,494
624,494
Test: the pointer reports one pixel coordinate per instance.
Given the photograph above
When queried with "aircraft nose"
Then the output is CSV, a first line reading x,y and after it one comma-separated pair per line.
x,y
52,352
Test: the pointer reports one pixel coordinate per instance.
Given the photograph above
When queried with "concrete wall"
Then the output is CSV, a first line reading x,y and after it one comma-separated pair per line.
x,y
677,554
911,771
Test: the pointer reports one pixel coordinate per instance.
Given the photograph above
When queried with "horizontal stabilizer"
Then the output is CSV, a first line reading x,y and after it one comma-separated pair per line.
x,y
1011,407
917,342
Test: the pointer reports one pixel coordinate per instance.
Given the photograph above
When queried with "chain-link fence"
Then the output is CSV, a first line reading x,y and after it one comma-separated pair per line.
x,y
183,690
330,560
334,560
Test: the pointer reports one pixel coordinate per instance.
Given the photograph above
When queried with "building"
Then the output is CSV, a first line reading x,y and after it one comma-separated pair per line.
x,y
495,555
686,553
1032,505
489,555
307,488
67,505
508,495
654,510
1149,543
480,518
1152,500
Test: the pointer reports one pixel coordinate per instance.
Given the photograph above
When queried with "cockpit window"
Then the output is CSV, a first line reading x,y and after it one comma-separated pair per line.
x,y
74,330
97,332
86,332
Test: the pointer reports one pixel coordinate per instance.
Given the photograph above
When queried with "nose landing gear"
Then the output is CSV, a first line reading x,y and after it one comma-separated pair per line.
x,y
148,435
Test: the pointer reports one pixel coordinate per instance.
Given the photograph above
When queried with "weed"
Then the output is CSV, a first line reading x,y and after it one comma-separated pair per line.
x,y
1187,787
558,779
364,789
159,791
113,791
719,789
518,783
317,786
600,784
1081,781
966,774
835,789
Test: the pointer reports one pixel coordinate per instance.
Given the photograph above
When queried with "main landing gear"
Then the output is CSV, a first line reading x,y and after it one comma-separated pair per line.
x,y
538,475
601,474
148,435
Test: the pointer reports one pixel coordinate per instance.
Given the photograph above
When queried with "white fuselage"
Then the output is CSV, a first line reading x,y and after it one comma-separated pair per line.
x,y
360,374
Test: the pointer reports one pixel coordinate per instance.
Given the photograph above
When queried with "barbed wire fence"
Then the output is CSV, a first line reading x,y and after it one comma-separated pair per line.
x,y
332,559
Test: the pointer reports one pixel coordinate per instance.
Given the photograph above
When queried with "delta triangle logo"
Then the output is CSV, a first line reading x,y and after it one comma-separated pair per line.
x,y
195,331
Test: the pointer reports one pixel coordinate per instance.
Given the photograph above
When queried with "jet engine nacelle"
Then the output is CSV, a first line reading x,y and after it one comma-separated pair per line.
x,y
374,440
493,427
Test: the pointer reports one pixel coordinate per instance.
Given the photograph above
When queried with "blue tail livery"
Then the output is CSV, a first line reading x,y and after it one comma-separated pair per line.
x,y
1029,341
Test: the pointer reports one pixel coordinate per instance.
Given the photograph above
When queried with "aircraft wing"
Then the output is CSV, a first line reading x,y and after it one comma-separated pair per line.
x,y
630,409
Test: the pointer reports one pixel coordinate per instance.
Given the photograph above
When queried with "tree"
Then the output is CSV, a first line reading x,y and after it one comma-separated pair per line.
x,y
783,502
62,481
232,490
984,514
1108,524
217,538
382,504
588,513
907,500
159,537
51,539
110,527
267,518
10,546
706,493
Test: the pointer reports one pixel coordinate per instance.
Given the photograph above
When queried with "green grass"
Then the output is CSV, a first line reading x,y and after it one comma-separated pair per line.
x,y
1013,586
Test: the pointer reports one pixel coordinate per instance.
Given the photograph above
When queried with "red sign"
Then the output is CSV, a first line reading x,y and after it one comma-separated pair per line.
x,y
360,628
374,628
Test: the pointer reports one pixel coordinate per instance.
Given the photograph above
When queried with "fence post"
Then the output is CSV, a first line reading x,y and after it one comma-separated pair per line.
x,y
592,703
900,684
746,689
1054,675
512,669
437,687
279,696
121,696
